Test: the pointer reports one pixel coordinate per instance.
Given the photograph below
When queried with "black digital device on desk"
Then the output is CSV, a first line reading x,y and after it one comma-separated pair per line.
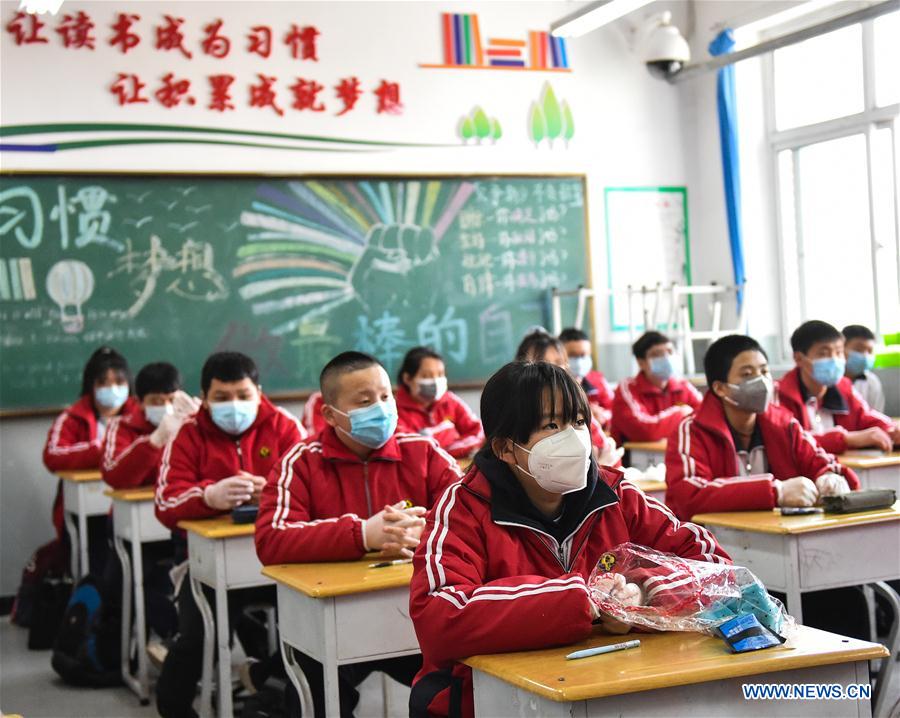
x,y
245,514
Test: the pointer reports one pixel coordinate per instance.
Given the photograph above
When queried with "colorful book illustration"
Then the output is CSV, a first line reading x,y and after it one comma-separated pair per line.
x,y
464,48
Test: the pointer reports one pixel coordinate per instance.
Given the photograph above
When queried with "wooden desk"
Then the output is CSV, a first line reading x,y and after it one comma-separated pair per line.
x,y
340,613
83,496
652,487
661,677
646,453
796,554
134,520
875,472
222,556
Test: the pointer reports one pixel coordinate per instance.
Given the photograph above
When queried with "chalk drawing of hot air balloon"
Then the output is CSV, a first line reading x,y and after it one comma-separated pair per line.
x,y
70,284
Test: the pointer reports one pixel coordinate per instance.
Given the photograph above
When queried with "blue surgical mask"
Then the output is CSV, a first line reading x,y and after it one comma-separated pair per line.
x,y
858,363
581,366
662,367
233,417
372,426
828,370
111,397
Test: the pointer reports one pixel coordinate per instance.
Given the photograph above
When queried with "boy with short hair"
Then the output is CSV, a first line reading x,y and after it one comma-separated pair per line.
x,y
134,442
859,346
822,399
581,364
740,452
650,405
217,461
358,486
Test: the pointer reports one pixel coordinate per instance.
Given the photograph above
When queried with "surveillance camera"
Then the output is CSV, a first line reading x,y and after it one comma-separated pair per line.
x,y
665,51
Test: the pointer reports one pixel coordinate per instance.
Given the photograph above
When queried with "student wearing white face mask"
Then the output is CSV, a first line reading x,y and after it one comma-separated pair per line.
x,y
134,443
505,553
75,439
425,405
741,452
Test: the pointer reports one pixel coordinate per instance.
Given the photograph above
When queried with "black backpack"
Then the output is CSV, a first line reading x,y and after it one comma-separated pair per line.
x,y
86,651
43,594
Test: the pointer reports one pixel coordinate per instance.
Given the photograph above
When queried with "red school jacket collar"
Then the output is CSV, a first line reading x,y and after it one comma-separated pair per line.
x,y
643,385
334,449
711,416
407,402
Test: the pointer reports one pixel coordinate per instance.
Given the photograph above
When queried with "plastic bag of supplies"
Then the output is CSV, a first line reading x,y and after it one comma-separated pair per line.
x,y
664,592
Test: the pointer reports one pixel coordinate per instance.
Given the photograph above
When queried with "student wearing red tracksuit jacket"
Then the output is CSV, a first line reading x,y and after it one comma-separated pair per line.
x,y
540,346
581,363
75,439
133,445
313,421
740,452
426,407
823,400
345,492
218,460
506,551
650,405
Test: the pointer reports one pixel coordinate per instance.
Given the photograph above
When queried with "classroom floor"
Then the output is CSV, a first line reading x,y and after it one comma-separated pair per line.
x,y
29,687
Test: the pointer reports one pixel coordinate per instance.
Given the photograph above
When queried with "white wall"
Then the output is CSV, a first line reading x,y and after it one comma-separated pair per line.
x,y
629,131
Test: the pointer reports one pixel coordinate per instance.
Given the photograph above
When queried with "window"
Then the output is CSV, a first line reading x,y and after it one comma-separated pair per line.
x,y
832,109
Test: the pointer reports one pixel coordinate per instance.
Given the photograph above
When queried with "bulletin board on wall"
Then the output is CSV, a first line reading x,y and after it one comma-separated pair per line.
x,y
290,270
648,243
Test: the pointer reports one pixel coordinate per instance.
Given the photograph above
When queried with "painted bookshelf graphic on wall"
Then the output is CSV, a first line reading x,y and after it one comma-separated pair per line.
x,y
464,48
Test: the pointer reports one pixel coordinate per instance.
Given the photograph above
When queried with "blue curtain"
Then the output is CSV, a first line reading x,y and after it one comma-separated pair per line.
x,y
728,137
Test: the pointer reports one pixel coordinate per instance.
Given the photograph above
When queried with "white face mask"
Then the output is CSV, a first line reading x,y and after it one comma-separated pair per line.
x,y
559,463
155,414
431,389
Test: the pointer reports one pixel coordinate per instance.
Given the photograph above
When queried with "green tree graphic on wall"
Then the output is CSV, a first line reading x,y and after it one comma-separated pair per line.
x,y
549,119
478,126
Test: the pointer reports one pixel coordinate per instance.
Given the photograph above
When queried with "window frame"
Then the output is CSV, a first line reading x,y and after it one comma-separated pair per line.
x,y
796,138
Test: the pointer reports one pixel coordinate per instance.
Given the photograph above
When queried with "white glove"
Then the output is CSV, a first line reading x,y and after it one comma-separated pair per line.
x,y
798,491
185,405
224,495
832,484
610,455
165,432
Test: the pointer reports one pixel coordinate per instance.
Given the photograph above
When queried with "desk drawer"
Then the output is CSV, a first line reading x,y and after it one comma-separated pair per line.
x,y
373,624
850,556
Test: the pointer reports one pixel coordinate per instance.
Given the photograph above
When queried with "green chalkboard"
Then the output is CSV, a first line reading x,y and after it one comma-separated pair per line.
x,y
288,270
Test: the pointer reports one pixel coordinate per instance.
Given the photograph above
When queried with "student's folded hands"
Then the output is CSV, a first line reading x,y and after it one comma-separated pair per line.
x,y
628,594
395,530
227,493
872,438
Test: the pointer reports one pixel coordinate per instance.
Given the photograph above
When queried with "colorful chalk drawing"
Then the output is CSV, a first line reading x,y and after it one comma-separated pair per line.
x,y
548,119
320,245
17,280
70,283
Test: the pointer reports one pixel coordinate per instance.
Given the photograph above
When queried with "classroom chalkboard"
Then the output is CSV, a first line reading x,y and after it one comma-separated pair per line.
x,y
288,270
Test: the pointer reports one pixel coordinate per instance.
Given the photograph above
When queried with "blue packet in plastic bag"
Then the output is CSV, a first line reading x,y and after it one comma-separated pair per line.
x,y
746,633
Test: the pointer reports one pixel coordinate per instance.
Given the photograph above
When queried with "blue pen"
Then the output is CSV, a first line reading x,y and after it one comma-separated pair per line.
x,y
600,650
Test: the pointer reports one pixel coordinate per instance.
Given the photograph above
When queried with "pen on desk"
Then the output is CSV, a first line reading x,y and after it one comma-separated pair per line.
x,y
599,650
395,562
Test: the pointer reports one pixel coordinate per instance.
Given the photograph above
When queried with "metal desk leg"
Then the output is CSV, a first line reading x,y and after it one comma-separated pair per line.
x,y
140,619
792,592
73,543
83,533
880,706
119,545
208,641
298,678
224,651
329,661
